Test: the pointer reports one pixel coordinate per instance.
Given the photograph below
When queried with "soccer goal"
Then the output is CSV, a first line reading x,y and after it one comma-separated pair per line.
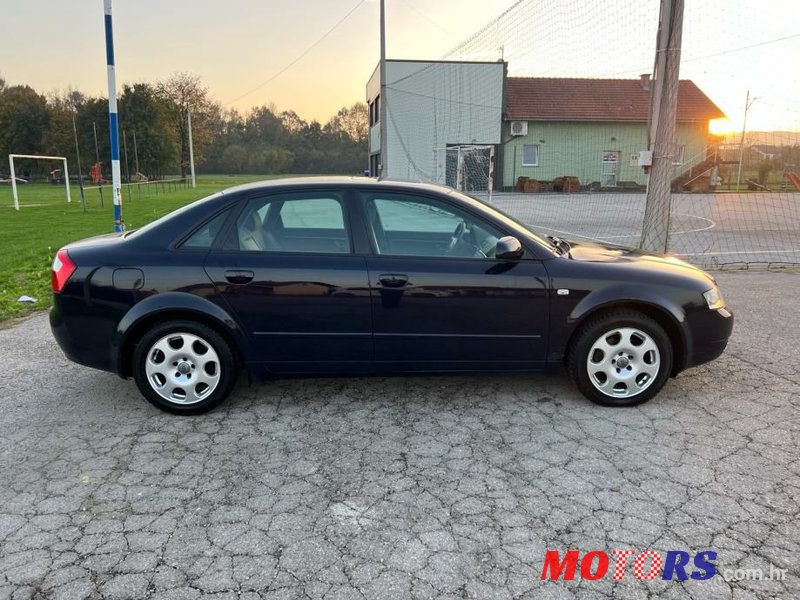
x,y
470,168
11,158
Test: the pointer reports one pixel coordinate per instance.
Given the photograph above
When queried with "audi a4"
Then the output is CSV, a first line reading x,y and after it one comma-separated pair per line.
x,y
354,276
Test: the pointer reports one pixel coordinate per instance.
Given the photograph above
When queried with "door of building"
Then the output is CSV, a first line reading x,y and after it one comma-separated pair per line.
x,y
608,176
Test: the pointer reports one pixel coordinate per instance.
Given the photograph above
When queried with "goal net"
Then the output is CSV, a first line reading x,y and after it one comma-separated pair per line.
x,y
54,175
470,168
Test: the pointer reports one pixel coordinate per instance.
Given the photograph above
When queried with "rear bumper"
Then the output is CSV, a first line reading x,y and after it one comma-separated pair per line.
x,y
710,331
79,347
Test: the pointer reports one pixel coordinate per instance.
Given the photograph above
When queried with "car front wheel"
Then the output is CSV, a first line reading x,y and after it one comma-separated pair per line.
x,y
184,367
620,358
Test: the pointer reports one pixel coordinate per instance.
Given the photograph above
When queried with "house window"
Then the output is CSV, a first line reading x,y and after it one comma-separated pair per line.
x,y
530,155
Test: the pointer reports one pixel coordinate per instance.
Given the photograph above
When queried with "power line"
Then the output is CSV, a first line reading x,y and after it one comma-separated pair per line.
x,y
427,18
300,57
731,50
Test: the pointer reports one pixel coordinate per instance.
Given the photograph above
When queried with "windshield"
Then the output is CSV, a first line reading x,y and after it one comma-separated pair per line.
x,y
539,238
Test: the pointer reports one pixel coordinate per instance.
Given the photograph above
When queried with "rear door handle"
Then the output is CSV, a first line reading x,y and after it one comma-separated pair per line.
x,y
239,277
393,280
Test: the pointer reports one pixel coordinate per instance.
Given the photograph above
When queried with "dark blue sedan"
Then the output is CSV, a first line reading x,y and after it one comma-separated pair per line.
x,y
358,276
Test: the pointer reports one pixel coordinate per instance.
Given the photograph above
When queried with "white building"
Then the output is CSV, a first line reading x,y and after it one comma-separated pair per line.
x,y
431,106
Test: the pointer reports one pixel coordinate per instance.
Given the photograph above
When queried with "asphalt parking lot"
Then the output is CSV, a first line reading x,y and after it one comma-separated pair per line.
x,y
446,487
707,229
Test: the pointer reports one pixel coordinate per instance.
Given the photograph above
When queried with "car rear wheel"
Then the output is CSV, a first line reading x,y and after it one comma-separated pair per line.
x,y
184,367
620,358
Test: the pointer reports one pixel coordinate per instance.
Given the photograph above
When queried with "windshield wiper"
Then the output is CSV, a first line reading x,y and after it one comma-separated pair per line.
x,y
562,245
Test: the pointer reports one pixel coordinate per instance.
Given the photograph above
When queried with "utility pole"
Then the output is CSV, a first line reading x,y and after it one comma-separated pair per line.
x,y
747,104
384,124
655,229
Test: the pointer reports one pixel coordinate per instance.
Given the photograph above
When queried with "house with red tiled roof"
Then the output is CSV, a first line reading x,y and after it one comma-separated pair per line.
x,y
594,129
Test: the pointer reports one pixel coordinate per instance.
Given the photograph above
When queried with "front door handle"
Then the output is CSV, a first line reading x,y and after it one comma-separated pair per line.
x,y
239,277
393,280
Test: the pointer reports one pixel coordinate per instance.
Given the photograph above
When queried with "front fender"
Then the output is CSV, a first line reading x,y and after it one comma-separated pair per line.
x,y
625,292
660,302
175,302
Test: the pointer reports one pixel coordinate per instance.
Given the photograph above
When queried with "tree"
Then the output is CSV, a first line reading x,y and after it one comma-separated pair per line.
x,y
183,93
264,127
234,159
94,113
144,114
23,120
351,122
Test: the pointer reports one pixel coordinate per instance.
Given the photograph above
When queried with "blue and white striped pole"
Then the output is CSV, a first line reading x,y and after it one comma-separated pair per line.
x,y
113,122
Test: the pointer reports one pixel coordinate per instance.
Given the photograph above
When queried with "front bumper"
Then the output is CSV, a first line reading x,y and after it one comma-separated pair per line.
x,y
710,331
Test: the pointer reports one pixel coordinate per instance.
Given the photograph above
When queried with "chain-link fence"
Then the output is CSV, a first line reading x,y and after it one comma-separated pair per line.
x,y
576,115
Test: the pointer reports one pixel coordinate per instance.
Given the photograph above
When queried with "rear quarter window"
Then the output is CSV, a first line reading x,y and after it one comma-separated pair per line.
x,y
204,237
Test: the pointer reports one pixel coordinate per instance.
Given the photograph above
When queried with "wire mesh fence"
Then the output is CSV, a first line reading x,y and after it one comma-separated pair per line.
x,y
576,113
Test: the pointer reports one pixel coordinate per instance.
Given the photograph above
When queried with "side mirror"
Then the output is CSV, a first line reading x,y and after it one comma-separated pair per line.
x,y
508,248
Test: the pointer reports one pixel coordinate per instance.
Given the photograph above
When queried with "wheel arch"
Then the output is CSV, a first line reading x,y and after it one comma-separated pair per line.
x,y
670,318
170,307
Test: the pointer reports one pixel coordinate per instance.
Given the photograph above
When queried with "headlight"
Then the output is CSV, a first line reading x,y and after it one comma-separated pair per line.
x,y
714,298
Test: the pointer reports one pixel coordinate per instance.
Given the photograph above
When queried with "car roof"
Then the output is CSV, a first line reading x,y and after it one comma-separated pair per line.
x,y
328,180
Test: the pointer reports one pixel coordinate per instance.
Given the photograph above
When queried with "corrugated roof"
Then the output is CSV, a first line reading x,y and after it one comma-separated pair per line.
x,y
557,99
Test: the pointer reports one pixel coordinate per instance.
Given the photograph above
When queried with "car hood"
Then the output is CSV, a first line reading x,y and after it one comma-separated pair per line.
x,y
606,253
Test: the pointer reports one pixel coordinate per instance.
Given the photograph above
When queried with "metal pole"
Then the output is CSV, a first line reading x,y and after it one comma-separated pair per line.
x,y
113,121
13,182
384,128
127,167
655,229
136,163
460,170
97,161
741,144
135,153
491,172
78,157
191,147
66,179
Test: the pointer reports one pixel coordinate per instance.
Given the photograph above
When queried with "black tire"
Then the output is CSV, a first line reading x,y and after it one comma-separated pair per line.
x,y
220,363
606,324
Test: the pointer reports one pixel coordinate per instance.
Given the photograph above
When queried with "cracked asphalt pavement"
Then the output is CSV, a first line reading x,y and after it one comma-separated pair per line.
x,y
437,487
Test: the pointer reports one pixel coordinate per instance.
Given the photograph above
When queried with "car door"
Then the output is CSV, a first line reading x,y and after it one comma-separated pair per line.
x,y
287,271
441,302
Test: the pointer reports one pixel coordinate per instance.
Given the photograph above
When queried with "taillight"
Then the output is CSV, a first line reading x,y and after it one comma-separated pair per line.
x,y
63,268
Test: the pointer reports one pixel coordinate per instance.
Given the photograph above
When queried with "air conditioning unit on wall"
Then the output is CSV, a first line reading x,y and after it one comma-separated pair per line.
x,y
519,128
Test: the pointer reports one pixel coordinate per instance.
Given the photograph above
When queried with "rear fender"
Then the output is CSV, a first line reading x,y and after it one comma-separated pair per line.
x,y
175,305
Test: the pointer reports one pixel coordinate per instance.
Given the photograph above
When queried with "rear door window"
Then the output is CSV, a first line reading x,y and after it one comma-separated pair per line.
x,y
312,222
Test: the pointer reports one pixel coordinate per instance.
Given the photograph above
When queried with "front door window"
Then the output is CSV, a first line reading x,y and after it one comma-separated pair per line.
x,y
413,226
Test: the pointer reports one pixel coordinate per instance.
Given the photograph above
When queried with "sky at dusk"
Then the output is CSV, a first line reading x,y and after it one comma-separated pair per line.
x,y
238,45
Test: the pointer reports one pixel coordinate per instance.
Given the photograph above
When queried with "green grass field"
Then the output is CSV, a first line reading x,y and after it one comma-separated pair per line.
x,y
45,222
